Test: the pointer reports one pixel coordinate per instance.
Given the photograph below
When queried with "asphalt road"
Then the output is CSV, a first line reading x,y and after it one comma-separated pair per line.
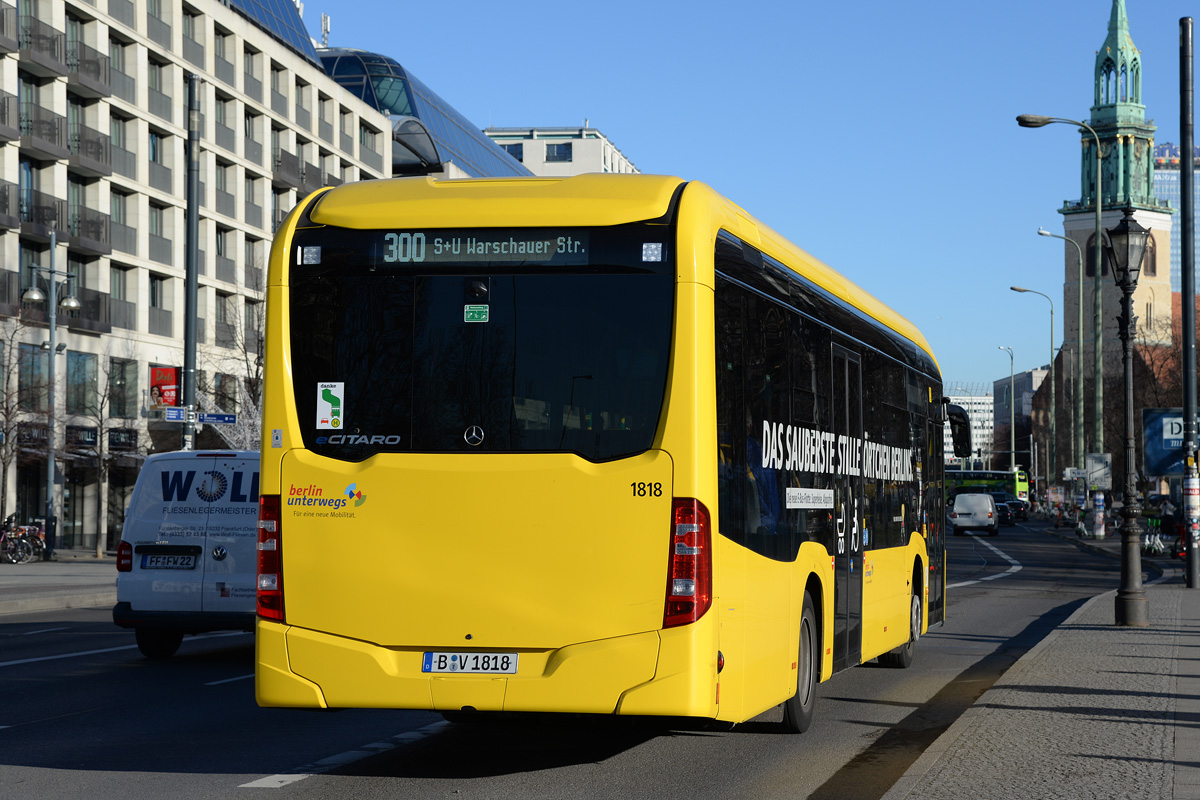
x,y
86,716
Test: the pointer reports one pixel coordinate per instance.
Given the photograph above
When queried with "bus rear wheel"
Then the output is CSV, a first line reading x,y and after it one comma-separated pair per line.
x,y
902,656
798,710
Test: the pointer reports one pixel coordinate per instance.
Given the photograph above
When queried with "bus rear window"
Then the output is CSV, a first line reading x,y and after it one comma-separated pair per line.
x,y
554,349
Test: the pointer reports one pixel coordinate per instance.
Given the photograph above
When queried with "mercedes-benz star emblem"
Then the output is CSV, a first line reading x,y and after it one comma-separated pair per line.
x,y
474,435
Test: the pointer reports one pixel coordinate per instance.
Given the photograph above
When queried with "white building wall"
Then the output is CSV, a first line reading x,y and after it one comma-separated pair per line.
x,y
591,150
307,114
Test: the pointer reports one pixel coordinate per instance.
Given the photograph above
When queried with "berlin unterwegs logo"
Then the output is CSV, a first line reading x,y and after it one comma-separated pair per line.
x,y
355,494
213,487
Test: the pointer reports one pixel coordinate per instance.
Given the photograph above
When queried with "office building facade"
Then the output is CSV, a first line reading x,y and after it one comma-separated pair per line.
x,y
93,133
561,152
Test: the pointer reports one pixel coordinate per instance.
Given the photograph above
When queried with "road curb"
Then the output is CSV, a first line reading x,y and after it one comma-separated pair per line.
x,y
979,710
54,602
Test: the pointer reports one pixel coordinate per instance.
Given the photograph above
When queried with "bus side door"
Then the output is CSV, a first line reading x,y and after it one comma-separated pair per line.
x,y
848,508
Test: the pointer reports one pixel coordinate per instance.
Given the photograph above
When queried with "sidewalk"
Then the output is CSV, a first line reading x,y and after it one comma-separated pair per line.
x,y
1092,711
75,579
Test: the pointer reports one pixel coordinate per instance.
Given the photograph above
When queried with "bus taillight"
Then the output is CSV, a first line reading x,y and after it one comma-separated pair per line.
x,y
689,580
270,559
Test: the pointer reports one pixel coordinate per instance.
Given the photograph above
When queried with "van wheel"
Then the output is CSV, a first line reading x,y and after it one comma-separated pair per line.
x,y
158,643
902,656
798,710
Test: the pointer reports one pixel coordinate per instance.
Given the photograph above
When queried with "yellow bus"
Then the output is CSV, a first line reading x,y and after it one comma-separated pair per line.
x,y
602,444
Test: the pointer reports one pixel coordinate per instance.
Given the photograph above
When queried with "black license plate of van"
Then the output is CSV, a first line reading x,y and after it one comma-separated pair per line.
x,y
168,562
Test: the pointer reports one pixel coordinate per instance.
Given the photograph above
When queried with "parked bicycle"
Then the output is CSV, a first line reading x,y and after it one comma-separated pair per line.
x,y
14,547
24,537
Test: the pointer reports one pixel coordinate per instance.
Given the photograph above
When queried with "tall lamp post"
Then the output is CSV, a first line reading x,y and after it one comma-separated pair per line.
x,y
1077,416
1053,408
69,303
1126,248
1012,412
1037,121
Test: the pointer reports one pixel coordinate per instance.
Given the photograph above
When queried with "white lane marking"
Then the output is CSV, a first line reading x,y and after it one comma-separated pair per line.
x,y
82,653
230,680
1014,565
44,630
342,759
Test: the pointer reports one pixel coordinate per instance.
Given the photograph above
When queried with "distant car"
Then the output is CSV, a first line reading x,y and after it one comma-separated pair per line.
x,y
1018,507
1004,514
974,511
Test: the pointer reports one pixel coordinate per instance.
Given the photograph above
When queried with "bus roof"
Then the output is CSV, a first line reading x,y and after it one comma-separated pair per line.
x,y
591,199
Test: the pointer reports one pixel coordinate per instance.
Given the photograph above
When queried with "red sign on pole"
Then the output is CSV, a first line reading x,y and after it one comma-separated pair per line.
x,y
164,387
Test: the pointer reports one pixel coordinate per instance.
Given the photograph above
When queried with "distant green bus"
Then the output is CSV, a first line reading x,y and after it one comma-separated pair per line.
x,y
997,480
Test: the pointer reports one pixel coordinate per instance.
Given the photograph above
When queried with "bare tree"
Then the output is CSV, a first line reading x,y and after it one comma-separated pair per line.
x,y
237,363
110,407
12,411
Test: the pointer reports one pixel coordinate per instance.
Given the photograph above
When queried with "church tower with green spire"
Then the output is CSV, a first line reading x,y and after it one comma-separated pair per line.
x,y
1118,116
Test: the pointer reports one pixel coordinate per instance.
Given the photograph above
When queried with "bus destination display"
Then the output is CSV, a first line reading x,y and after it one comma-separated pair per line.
x,y
483,246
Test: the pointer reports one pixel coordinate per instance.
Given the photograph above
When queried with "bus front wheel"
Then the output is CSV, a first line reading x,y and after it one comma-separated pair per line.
x,y
798,710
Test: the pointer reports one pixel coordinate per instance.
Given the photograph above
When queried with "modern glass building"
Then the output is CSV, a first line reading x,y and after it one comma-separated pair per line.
x,y
384,84
1167,187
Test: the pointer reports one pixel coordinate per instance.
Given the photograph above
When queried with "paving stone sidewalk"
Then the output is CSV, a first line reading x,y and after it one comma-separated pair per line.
x,y
1092,711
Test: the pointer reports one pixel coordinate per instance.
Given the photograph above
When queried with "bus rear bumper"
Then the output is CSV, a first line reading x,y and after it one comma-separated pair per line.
x,y
627,675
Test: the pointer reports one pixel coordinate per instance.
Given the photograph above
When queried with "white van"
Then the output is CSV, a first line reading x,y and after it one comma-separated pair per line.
x,y
975,510
187,561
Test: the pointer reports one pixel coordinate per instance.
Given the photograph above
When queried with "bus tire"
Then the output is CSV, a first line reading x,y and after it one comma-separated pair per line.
x,y
902,656
798,709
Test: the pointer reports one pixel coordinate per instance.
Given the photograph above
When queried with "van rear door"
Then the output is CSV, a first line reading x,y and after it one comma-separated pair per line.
x,y
228,484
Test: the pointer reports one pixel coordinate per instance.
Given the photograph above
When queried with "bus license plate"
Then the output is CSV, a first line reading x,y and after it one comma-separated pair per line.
x,y
471,663
169,562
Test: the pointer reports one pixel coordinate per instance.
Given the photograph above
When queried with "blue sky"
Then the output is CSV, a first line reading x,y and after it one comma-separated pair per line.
x,y
879,136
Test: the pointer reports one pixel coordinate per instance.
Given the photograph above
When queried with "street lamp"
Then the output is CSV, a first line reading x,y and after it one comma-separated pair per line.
x,y
1037,121
1053,408
1012,413
69,303
1077,415
1126,248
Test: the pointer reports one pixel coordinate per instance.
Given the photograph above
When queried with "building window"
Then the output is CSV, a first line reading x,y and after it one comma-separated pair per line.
x,y
517,150
158,291
221,44
157,221
116,131
366,137
1150,261
156,148
226,393
223,235
81,383
118,283
248,63
154,76
122,388
116,56
558,152
221,111
32,394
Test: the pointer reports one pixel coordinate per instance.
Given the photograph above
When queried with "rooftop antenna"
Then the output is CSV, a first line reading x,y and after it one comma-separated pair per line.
x,y
324,30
